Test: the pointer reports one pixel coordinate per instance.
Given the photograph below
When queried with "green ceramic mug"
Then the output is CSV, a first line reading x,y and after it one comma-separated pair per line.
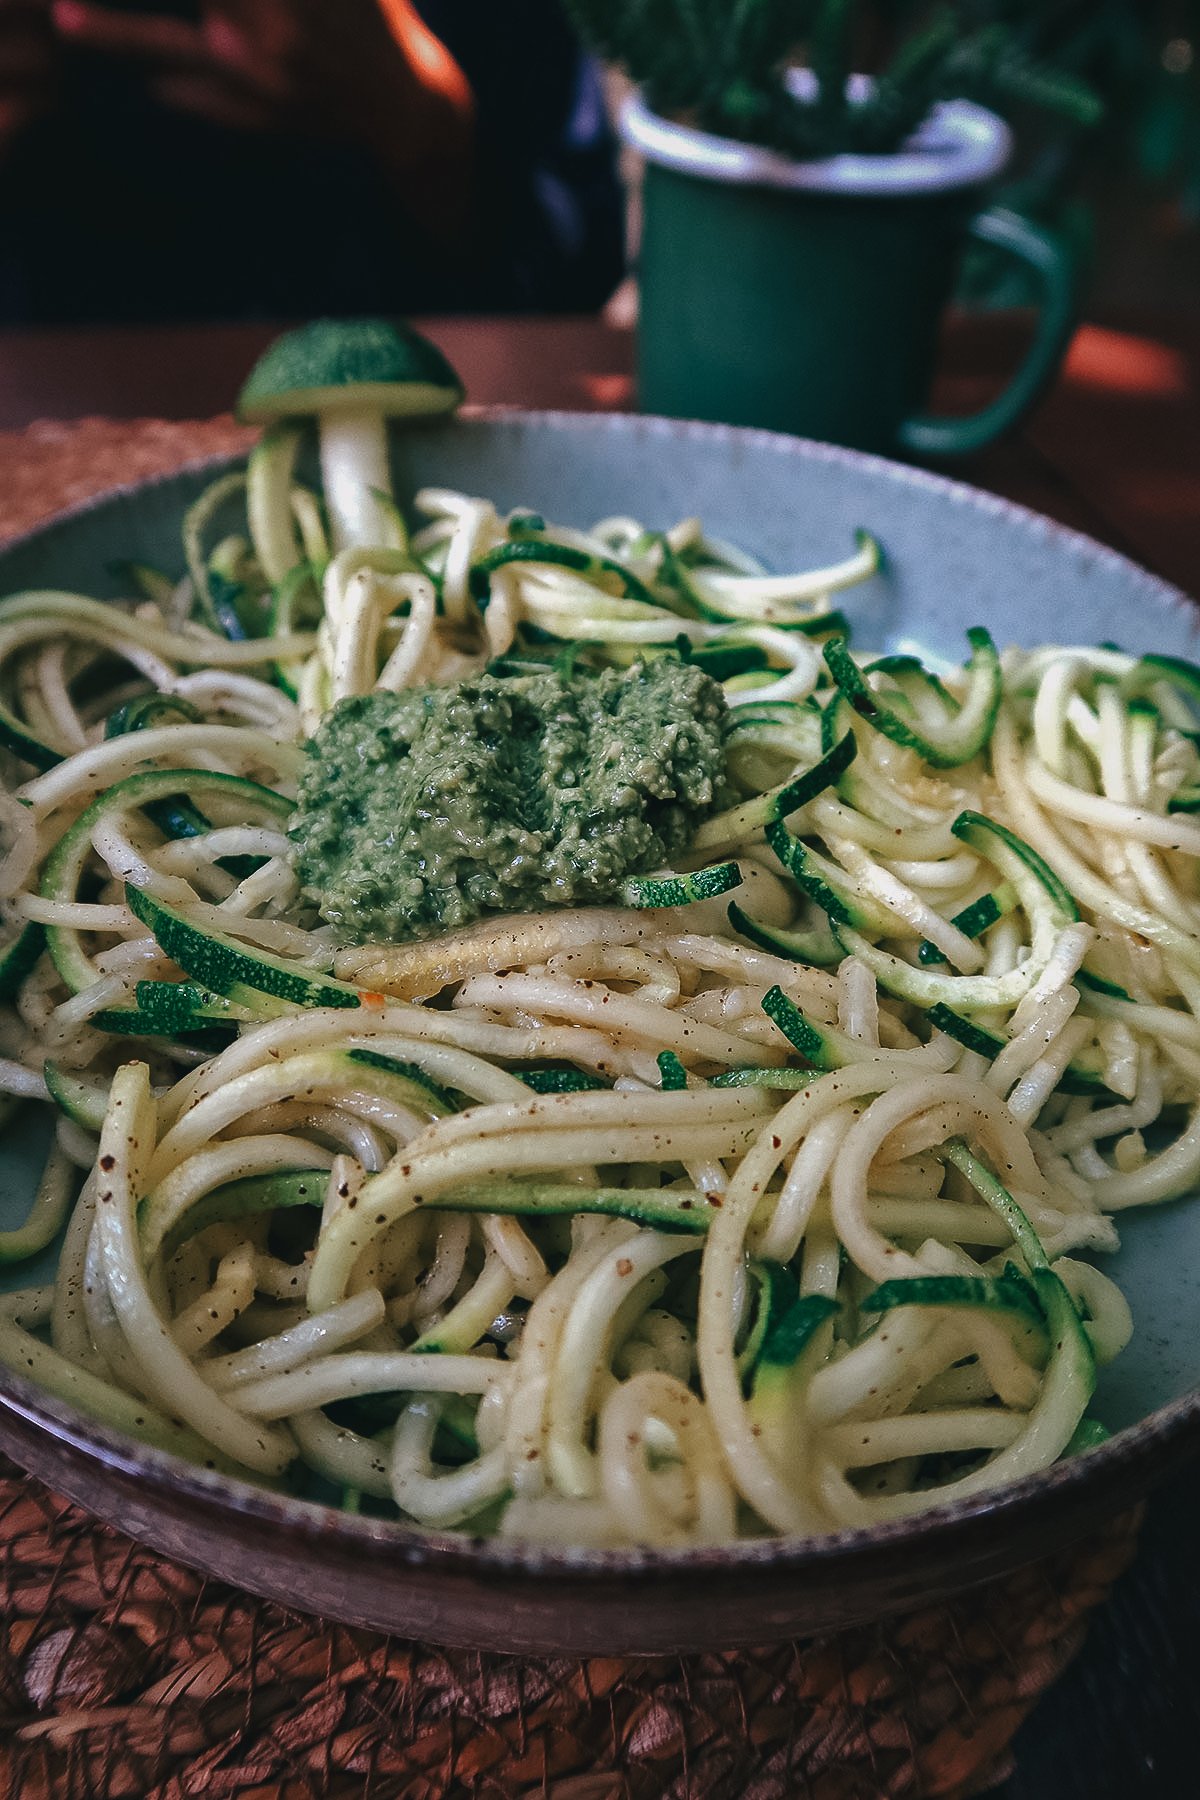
x,y
807,297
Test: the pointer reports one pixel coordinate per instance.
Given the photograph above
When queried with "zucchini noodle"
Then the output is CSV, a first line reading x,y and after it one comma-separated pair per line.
x,y
752,1202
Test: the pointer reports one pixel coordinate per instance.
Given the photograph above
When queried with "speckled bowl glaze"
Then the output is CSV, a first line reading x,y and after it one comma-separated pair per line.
x,y
955,557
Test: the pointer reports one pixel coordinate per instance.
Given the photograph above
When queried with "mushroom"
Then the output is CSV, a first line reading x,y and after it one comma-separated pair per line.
x,y
352,375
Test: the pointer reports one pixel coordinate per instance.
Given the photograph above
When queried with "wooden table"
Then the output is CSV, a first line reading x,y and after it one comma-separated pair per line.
x,y
1115,451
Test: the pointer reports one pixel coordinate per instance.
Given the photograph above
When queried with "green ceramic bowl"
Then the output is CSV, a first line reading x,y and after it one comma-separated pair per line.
x,y
955,557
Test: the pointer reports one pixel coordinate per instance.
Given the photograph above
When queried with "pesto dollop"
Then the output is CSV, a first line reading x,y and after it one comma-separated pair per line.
x,y
421,811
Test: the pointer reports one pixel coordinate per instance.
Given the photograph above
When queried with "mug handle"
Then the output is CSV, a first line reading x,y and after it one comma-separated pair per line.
x,y
1054,264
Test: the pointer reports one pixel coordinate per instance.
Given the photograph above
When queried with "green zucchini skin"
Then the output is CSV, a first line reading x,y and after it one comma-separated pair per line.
x,y
21,742
975,919
1012,855
680,890
753,815
217,961
825,883
560,1081
786,1343
175,816
1076,1078
20,957
66,862
1007,1293
967,726
82,1101
561,556
672,1071
818,947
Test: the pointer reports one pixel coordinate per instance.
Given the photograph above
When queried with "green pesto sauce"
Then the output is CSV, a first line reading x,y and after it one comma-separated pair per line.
x,y
421,811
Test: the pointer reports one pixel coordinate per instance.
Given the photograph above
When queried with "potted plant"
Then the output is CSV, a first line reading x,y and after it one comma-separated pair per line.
x,y
802,223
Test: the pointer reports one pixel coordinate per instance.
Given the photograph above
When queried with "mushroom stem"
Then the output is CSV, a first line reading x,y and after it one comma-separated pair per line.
x,y
354,461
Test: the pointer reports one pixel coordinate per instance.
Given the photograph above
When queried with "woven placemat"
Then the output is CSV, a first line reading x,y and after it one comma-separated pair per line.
x,y
55,464
125,1677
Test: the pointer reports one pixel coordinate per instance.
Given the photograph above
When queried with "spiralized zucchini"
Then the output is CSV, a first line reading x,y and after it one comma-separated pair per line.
x,y
672,1221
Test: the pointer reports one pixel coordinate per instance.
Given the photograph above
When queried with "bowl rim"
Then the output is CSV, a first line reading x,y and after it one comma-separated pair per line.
x,y
1149,1441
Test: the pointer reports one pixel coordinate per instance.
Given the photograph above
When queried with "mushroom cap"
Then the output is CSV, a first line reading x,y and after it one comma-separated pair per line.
x,y
349,363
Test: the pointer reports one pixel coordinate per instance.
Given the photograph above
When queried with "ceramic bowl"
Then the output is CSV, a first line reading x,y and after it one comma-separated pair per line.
x,y
955,557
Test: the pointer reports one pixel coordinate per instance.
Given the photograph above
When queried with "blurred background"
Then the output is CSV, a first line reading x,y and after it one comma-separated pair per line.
x,y
235,159
1103,97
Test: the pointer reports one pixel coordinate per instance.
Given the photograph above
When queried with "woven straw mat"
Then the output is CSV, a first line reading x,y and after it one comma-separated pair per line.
x,y
123,1677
